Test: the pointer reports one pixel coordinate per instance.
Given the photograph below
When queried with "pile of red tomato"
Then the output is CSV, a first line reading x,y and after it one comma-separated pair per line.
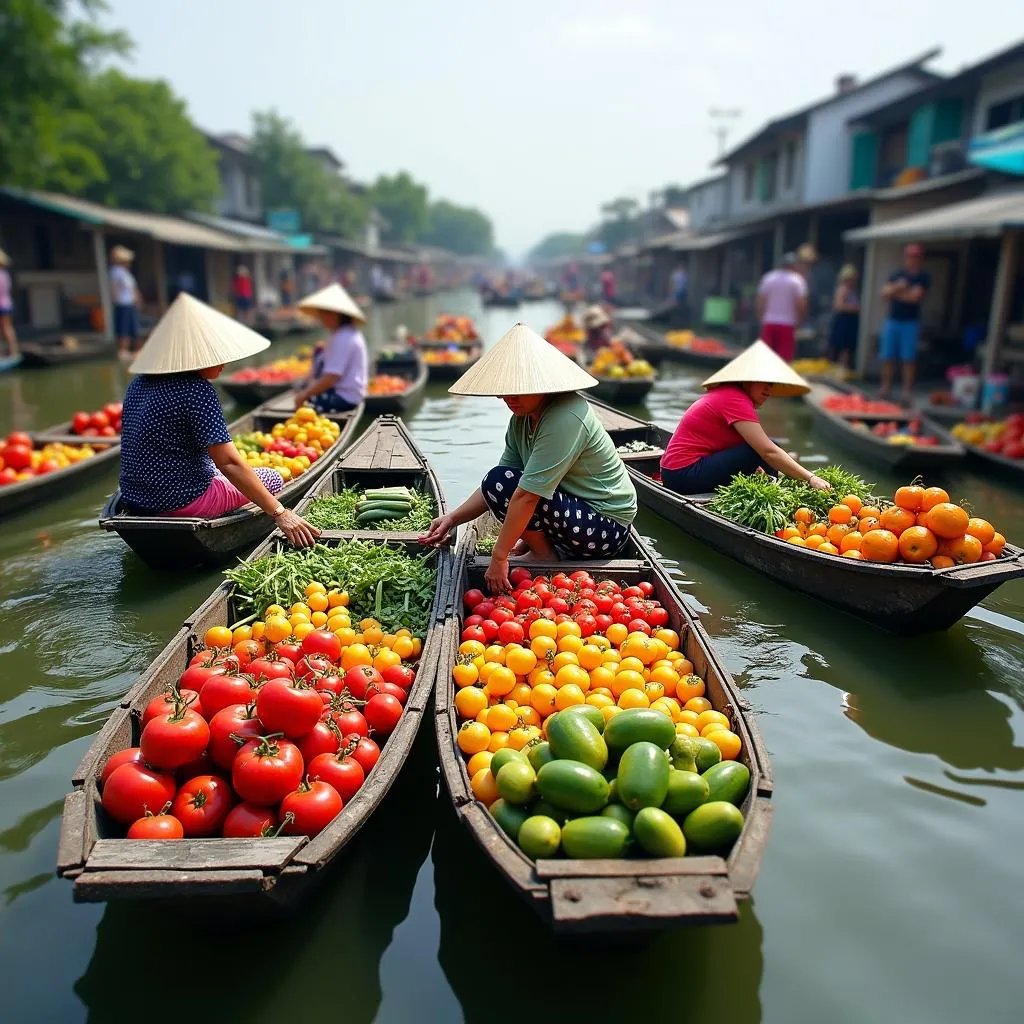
x,y
105,422
255,740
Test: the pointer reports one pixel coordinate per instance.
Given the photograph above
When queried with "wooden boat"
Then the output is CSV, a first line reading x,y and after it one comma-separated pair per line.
x,y
384,455
253,392
39,354
678,354
903,599
900,458
209,873
181,542
495,300
623,390
284,323
410,368
453,371
992,464
18,496
10,363
639,345
611,896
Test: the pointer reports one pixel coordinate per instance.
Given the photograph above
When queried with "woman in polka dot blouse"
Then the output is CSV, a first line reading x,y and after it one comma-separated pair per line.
x,y
177,458
560,489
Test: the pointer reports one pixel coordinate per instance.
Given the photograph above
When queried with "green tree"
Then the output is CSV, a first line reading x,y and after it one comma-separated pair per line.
x,y
152,156
404,205
460,229
675,196
557,246
292,179
620,222
46,53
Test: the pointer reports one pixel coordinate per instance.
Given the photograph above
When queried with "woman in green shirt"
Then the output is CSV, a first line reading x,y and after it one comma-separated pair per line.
x,y
560,488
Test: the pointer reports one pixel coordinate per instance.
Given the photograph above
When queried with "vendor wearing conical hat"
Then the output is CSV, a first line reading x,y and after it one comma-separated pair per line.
x,y
720,435
177,457
598,326
340,367
560,488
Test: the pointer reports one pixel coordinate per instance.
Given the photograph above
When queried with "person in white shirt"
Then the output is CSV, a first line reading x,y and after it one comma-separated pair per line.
x,y
782,306
124,293
7,306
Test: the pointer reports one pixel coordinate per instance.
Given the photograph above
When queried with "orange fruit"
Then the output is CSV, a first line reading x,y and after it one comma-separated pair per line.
x,y
837,532
852,502
947,520
840,514
942,562
470,701
865,524
880,546
933,496
909,497
870,510
851,541
996,544
896,519
982,529
814,542
485,789
963,550
727,742
797,541
917,545
804,515
828,549
853,553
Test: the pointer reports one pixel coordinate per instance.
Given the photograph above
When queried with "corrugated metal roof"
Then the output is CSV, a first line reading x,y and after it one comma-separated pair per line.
x,y
987,215
155,225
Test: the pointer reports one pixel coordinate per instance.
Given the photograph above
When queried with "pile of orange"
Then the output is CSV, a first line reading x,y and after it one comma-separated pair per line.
x,y
920,526
505,693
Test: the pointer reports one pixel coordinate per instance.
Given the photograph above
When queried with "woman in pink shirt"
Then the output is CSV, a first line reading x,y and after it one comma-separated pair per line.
x,y
720,435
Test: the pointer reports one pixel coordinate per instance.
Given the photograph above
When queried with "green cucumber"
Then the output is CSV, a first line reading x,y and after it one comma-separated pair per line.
x,y
573,786
713,827
387,492
509,817
658,833
686,791
597,838
538,753
516,782
574,737
643,775
368,518
592,714
383,506
639,724
623,814
728,780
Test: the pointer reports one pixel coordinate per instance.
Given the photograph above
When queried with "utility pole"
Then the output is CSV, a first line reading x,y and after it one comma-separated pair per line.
x,y
721,118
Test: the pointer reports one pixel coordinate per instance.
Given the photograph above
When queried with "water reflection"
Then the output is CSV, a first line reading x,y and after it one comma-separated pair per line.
x,y
687,974
327,954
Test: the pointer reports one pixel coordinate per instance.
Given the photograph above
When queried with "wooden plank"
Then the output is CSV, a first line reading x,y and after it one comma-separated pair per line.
x,y
745,857
387,440
71,845
194,854
101,886
624,904
116,734
662,867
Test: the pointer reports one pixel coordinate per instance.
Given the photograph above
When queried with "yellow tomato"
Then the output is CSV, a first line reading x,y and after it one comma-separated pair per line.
x,y
274,609
318,619
358,654
727,742
501,718
542,699
706,718
599,700
528,714
688,716
689,688
338,598
669,637
633,698
522,734
478,761
317,602
470,701
601,677
561,660
541,674
501,681
663,705
616,633
570,642
589,656
217,636
259,630
627,680
385,658
568,628
543,628
520,693
277,628
698,704
631,665
685,729
473,737
347,635
610,712
521,660
568,696
572,675
497,741
404,647
300,608
373,635
471,648
544,646
496,654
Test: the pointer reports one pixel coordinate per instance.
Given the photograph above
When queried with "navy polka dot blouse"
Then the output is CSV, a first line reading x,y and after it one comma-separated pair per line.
x,y
168,422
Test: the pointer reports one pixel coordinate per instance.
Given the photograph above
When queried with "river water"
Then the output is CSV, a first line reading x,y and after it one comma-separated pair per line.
x,y
890,882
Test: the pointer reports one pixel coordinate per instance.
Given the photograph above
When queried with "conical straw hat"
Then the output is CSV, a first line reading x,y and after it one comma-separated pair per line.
x,y
192,336
595,317
760,365
334,299
121,254
522,363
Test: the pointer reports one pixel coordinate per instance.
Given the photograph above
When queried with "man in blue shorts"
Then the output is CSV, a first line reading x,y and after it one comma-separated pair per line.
x,y
902,329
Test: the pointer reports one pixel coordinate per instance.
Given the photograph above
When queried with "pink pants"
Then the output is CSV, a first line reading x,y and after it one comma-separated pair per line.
x,y
781,338
223,496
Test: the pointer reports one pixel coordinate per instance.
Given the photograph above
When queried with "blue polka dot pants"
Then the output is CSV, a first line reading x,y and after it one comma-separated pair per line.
x,y
572,526
328,401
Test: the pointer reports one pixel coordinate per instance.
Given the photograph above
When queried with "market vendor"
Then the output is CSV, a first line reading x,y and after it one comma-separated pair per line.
x,y
177,457
340,367
598,326
559,489
720,435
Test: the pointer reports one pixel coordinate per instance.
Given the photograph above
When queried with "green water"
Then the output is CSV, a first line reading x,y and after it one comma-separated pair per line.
x,y
889,886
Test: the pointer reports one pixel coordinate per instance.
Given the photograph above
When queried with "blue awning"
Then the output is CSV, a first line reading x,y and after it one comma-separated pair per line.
x,y
1001,150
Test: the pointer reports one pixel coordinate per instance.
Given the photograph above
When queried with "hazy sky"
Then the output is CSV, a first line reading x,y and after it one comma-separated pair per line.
x,y
536,111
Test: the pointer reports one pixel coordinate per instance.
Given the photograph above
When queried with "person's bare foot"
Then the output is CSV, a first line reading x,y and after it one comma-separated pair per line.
x,y
530,556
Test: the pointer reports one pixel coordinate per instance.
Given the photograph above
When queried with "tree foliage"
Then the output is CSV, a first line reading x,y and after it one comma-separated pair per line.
x,y
558,246
290,178
460,229
404,204
675,196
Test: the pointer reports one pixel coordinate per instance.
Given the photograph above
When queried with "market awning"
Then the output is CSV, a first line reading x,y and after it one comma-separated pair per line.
x,y
700,243
1001,150
261,239
155,225
987,216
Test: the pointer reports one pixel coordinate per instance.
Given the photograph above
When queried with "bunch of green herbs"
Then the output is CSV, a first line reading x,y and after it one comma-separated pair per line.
x,y
338,512
382,582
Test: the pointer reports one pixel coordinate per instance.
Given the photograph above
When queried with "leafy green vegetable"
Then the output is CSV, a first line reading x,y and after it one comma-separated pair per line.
x,y
338,512
485,545
382,582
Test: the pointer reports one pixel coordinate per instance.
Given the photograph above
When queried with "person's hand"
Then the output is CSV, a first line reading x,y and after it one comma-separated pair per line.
x,y
300,534
438,530
496,576
818,484
300,399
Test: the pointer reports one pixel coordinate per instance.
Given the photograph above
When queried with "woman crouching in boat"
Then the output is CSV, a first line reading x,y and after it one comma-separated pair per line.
x,y
598,326
177,457
720,435
340,372
560,489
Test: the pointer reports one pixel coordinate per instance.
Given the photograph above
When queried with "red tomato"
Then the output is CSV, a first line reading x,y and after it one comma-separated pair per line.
x,y
156,826
472,598
633,591
171,740
19,437
202,765
131,755
247,821
268,667
113,410
362,749
323,738
382,713
329,683
339,770
79,422
528,599
603,622
560,581
288,649
475,633
264,770
7,476
639,626
583,607
246,650
233,720
646,588
506,602
309,808
312,666
511,633
657,616
501,616
484,609
195,677
222,691
132,789
350,720
164,704
202,804
360,678
490,628
603,603
473,620
518,575
17,456
99,420
582,578
398,692
288,707
587,624
400,675
558,605
322,641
